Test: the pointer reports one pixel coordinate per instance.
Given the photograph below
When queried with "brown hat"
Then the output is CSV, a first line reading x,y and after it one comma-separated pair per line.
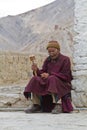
x,y
53,44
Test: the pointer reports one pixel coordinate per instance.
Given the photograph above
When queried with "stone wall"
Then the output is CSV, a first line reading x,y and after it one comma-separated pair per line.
x,y
80,54
16,67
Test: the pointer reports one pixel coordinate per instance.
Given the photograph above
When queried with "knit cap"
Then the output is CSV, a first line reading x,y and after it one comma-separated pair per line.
x,y
53,44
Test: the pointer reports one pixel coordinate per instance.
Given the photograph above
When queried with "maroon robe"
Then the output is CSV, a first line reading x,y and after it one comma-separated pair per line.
x,y
59,80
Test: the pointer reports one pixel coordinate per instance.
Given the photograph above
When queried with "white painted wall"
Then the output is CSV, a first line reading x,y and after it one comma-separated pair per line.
x,y
80,54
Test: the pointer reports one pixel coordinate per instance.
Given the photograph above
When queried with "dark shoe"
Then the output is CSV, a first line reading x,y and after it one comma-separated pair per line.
x,y
57,109
34,109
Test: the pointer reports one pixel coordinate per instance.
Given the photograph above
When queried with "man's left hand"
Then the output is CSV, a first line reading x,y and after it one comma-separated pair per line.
x,y
44,75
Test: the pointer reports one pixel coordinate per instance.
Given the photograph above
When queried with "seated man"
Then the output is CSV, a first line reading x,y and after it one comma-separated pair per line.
x,y
52,82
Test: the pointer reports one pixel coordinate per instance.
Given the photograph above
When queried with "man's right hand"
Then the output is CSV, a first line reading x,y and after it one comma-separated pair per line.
x,y
34,67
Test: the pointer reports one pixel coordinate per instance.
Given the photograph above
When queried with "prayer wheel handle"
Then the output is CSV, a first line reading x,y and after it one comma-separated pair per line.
x,y
32,59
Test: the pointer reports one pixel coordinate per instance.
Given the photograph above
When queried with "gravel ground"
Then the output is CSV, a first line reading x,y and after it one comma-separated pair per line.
x,y
43,121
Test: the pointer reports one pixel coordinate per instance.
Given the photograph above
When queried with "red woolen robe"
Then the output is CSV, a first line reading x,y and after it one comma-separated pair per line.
x,y
59,81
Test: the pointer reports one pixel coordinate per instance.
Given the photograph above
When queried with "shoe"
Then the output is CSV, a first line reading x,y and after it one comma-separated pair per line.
x,y
57,109
34,109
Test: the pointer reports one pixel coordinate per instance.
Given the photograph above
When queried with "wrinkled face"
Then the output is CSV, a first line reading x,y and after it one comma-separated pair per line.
x,y
53,52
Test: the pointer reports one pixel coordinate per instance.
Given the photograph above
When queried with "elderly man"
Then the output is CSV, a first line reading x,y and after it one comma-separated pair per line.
x,y
52,82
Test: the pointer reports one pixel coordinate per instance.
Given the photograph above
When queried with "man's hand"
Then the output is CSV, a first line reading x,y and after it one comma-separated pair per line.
x,y
44,75
34,67
27,95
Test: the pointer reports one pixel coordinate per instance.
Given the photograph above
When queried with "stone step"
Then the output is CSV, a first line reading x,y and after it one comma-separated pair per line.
x,y
12,109
12,96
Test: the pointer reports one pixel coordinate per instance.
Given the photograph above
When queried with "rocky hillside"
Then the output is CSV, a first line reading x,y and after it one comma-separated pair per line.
x,y
30,31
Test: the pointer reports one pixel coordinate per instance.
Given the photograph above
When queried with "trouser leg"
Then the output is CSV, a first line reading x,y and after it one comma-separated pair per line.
x,y
35,99
54,99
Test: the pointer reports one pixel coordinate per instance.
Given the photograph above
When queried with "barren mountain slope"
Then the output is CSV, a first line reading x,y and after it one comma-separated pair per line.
x,y
30,31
